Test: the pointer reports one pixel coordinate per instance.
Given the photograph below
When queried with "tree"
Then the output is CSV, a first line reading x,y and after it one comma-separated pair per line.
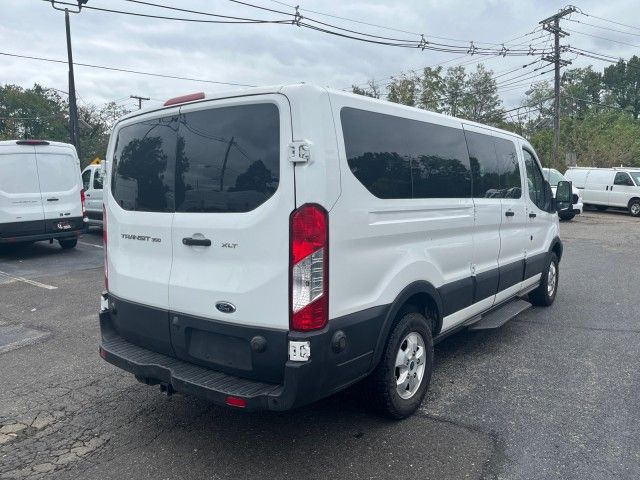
x,y
622,82
371,90
40,112
581,91
432,90
480,101
404,89
454,87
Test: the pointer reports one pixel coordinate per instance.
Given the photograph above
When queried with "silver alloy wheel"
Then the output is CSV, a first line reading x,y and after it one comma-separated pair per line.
x,y
552,279
410,366
635,208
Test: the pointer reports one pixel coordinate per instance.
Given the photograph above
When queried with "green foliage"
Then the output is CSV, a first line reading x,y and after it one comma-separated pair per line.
x,y
42,113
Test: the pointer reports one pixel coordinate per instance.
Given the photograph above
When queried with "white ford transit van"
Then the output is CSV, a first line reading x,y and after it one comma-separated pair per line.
x,y
608,187
267,248
41,196
92,181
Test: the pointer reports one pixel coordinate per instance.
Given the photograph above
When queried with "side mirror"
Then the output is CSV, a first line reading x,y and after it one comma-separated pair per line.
x,y
564,194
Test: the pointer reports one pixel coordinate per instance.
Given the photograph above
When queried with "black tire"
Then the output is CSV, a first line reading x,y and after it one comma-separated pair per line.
x,y
541,295
601,208
634,207
566,216
68,244
382,386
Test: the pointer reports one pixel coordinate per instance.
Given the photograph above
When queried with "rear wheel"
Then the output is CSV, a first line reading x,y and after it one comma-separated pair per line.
x,y
634,207
400,381
67,244
545,294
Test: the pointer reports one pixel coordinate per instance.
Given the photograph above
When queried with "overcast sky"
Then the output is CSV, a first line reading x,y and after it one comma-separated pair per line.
x,y
278,54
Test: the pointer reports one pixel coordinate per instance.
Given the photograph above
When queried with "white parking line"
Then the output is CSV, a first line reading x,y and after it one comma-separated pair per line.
x,y
90,244
30,282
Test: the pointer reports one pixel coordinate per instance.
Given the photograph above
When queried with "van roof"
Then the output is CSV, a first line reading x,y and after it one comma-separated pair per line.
x,y
50,143
299,89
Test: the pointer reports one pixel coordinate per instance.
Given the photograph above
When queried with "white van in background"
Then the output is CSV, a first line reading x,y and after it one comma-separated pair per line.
x,y
92,181
41,196
553,176
608,187
269,247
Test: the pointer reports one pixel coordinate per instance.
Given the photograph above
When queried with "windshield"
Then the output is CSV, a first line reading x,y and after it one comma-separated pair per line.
x,y
553,176
636,177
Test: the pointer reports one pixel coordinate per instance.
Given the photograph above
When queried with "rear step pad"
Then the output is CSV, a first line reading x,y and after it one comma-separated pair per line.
x,y
502,315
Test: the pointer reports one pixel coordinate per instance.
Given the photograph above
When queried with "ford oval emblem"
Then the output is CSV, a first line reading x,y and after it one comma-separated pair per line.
x,y
226,307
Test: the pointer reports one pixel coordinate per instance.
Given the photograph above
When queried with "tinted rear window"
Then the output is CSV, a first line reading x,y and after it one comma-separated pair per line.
x,y
217,160
228,158
396,157
144,165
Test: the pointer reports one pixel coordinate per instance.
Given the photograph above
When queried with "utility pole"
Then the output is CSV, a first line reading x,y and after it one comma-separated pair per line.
x,y
552,24
74,122
140,99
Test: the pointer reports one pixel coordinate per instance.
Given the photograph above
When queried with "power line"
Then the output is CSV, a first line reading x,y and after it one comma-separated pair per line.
x,y
609,29
603,38
385,27
608,20
323,27
124,70
230,19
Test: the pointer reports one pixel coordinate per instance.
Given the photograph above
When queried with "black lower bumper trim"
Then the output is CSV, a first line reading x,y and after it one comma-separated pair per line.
x,y
186,377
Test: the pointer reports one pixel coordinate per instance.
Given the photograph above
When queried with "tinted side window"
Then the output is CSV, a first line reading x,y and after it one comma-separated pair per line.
x,y
144,164
622,178
535,182
395,157
510,182
98,179
484,165
86,179
228,159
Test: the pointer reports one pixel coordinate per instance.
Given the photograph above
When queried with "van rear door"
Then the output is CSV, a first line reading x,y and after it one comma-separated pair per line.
x,y
234,195
60,186
21,210
139,202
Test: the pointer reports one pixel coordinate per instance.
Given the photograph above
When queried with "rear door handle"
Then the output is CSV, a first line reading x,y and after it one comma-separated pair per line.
x,y
532,215
509,213
200,242
52,199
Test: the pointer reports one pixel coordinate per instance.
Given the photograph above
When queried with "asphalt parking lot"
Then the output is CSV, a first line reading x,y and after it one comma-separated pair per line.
x,y
553,394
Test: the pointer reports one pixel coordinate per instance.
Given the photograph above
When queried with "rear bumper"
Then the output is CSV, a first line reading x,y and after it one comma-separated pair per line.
x,y
328,370
17,236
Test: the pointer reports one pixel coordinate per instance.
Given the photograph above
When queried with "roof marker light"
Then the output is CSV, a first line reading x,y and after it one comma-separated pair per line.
x,y
32,141
192,97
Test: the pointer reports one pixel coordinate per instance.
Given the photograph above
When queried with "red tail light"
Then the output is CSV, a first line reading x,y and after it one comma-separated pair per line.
x,y
236,402
104,247
192,97
309,268
84,208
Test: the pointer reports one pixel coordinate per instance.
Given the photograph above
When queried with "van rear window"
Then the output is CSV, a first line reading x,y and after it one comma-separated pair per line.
x,y
223,159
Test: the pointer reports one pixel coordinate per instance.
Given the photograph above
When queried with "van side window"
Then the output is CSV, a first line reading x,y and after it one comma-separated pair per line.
x,y
395,157
494,163
86,179
623,178
144,165
535,181
510,182
98,179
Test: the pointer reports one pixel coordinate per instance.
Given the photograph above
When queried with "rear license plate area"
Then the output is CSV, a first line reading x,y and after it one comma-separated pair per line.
x,y
63,225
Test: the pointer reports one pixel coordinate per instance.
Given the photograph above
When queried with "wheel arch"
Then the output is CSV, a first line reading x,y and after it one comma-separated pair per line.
x,y
419,296
556,247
